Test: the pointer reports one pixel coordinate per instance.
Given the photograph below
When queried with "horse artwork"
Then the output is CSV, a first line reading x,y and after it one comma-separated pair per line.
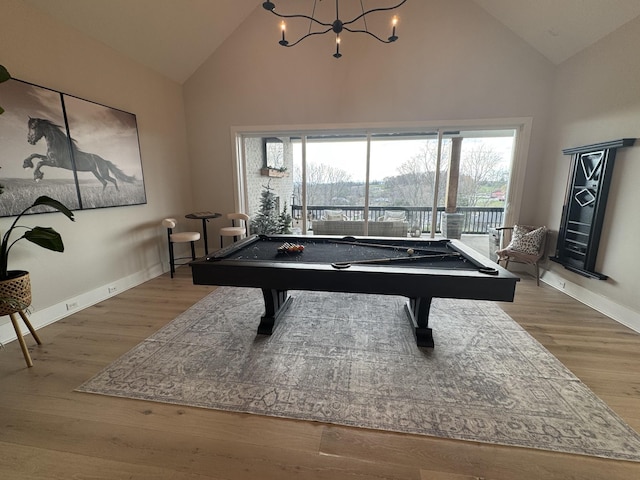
x,y
63,152
84,154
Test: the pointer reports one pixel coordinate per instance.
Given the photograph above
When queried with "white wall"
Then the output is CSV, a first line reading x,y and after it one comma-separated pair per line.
x,y
597,98
453,61
112,245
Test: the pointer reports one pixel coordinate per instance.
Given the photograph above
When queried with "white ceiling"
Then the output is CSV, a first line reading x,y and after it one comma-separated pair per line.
x,y
174,37
561,28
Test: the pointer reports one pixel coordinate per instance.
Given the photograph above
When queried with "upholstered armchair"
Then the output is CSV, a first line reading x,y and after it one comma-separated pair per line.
x,y
527,245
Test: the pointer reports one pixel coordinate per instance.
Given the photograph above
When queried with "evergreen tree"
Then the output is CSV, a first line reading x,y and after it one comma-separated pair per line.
x,y
266,221
284,221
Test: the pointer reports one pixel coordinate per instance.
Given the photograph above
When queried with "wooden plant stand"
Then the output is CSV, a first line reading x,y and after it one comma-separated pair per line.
x,y
19,290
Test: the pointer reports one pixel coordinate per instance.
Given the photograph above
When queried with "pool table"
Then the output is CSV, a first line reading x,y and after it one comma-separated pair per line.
x,y
415,268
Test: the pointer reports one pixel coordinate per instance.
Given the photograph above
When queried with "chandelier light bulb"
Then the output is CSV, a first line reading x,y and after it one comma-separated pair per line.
x,y
394,22
283,42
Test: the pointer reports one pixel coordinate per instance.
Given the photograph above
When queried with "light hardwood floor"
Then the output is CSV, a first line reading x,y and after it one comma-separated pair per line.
x,y
48,431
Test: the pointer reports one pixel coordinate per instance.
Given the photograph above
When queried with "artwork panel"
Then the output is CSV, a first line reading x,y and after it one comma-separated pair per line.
x,y
106,154
20,158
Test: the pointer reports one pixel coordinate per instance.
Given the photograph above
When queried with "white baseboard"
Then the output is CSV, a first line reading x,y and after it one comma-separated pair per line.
x,y
615,311
73,305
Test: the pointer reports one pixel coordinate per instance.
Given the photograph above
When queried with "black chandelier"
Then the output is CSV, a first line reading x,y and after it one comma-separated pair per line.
x,y
337,26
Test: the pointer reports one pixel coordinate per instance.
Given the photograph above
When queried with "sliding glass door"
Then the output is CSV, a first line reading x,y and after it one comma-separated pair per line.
x,y
389,182
334,179
406,177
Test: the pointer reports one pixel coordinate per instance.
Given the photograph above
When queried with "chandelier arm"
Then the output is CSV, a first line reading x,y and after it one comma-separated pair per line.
x,y
307,35
373,10
313,14
299,15
364,19
369,33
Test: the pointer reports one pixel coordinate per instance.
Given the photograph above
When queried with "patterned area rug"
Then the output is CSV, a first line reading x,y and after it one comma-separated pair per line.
x,y
351,359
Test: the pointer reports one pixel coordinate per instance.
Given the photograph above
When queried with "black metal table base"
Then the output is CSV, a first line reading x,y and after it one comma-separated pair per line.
x,y
418,312
276,302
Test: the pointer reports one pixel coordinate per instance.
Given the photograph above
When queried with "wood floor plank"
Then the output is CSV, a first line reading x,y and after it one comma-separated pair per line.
x,y
168,420
472,459
49,431
186,451
431,475
19,462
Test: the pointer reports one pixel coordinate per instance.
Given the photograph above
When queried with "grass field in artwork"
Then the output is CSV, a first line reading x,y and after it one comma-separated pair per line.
x,y
20,193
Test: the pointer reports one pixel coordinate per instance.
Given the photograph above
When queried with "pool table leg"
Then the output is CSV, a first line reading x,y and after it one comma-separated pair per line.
x,y
418,312
276,303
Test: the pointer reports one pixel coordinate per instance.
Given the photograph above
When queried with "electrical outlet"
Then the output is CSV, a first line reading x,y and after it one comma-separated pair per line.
x,y
113,289
72,306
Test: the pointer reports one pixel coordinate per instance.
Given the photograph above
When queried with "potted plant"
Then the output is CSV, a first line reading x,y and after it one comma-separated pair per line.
x,y
15,285
15,289
270,171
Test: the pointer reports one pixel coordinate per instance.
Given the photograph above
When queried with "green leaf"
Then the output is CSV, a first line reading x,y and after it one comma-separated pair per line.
x,y
44,200
4,74
45,237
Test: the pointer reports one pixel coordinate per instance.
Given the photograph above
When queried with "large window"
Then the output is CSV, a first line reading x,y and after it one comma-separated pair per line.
x,y
416,177
335,176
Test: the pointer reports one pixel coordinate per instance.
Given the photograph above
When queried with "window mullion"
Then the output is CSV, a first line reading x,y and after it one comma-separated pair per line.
x,y
434,210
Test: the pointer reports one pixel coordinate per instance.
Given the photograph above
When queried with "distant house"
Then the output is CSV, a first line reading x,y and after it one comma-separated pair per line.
x,y
498,194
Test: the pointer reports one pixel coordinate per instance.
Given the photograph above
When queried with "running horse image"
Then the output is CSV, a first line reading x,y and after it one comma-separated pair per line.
x,y
59,156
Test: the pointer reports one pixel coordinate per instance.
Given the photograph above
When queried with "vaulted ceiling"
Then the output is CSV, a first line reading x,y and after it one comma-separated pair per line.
x,y
174,37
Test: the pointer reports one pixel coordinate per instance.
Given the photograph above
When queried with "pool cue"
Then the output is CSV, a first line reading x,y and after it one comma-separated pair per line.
x,y
379,245
387,260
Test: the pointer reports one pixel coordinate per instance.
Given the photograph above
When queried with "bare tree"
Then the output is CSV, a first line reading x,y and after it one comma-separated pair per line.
x,y
479,166
324,183
413,186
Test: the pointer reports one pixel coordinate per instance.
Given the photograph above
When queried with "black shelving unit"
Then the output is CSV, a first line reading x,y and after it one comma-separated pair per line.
x,y
584,206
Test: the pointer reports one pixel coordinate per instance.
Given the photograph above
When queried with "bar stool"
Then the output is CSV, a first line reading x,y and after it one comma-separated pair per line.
x,y
179,237
239,222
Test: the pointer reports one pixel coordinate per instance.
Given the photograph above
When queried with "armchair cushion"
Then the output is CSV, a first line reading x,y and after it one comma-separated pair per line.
x,y
333,215
526,240
392,216
356,227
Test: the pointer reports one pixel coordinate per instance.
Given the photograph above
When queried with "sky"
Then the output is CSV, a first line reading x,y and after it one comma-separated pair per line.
x,y
386,155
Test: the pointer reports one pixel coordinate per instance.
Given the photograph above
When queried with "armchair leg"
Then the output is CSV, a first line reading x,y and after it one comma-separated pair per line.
x,y
537,274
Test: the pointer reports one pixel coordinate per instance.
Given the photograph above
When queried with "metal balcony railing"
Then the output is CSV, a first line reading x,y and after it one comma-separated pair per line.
x,y
477,220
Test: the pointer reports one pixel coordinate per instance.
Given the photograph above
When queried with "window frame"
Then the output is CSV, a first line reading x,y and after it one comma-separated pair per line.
x,y
521,125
